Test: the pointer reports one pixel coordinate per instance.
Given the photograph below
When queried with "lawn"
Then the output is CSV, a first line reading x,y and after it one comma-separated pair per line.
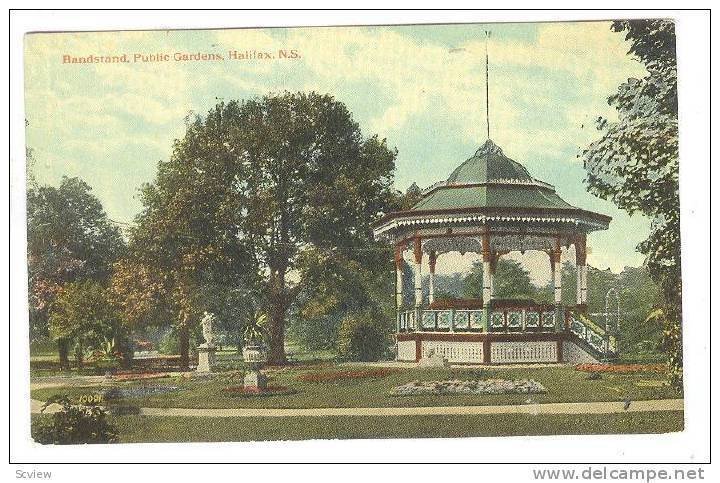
x,y
147,429
563,384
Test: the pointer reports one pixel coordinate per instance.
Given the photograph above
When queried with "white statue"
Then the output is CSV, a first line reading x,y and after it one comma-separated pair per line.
x,y
207,323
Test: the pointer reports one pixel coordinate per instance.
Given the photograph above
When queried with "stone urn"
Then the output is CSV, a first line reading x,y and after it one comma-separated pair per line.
x,y
255,357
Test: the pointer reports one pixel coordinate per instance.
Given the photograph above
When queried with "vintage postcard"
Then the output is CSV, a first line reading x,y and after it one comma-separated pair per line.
x,y
409,231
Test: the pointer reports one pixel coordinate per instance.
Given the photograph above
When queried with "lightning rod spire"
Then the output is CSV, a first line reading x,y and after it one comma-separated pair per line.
x,y
487,84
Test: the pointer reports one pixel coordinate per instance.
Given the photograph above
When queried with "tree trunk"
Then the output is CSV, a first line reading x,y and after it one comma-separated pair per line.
x,y
276,317
184,336
79,354
63,353
125,347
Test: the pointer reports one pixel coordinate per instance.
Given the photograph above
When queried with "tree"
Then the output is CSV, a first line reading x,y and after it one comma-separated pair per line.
x,y
335,285
253,185
511,280
70,238
83,313
635,164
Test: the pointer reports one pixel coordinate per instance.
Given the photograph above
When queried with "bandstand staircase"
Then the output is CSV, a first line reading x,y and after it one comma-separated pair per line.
x,y
591,337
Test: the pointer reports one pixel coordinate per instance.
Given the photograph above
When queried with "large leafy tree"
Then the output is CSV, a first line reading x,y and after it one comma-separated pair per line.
x,y
254,184
187,239
635,163
70,238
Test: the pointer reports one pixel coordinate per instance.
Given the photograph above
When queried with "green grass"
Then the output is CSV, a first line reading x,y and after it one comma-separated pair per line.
x,y
148,429
44,360
563,384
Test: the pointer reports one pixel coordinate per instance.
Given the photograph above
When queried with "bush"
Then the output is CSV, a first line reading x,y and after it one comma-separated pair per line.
x,y
363,337
75,425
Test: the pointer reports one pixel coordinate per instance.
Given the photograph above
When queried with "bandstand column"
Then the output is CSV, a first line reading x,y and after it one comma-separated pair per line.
x,y
557,282
487,279
493,266
399,249
417,250
581,270
431,288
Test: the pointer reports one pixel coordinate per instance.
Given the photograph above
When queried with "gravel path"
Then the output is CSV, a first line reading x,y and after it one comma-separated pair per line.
x,y
548,408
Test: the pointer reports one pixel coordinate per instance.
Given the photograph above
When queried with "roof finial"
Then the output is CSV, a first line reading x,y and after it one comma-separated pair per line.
x,y
487,84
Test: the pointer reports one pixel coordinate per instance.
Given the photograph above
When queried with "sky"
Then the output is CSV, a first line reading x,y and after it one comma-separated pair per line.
x,y
420,87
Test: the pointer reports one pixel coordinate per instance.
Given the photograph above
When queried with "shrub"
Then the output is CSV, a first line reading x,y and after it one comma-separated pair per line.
x,y
75,425
363,337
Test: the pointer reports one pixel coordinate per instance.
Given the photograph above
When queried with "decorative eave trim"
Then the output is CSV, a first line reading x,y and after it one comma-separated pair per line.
x,y
496,211
398,223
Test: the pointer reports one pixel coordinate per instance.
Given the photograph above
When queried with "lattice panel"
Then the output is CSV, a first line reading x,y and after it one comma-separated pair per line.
x,y
461,320
497,320
406,350
428,320
514,320
454,351
476,319
532,320
519,352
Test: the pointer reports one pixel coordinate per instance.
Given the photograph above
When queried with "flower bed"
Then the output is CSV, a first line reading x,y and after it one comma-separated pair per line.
x,y
486,386
343,375
621,368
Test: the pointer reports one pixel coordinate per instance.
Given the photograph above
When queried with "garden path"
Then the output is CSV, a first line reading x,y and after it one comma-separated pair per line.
x,y
534,409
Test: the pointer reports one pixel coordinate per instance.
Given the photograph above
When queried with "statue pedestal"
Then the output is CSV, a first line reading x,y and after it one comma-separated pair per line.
x,y
254,357
206,358
254,379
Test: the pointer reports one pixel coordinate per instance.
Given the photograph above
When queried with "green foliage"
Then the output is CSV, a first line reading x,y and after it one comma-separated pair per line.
x,y
512,281
336,283
410,198
255,332
635,162
671,338
83,313
271,177
70,238
364,337
75,425
169,343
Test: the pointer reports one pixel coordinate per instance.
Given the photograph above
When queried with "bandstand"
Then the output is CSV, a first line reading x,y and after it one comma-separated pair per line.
x,y
491,205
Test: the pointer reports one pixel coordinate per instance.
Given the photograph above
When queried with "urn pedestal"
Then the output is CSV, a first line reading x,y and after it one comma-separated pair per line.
x,y
254,357
206,358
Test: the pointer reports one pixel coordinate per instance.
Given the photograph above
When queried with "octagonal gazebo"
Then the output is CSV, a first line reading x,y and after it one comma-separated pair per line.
x,y
491,205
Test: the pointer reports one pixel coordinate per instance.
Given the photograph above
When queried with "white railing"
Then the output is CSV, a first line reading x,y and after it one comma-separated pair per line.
x,y
597,338
443,320
531,319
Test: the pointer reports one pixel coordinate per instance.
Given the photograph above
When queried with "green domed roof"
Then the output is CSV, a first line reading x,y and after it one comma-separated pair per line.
x,y
488,164
489,190
489,179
